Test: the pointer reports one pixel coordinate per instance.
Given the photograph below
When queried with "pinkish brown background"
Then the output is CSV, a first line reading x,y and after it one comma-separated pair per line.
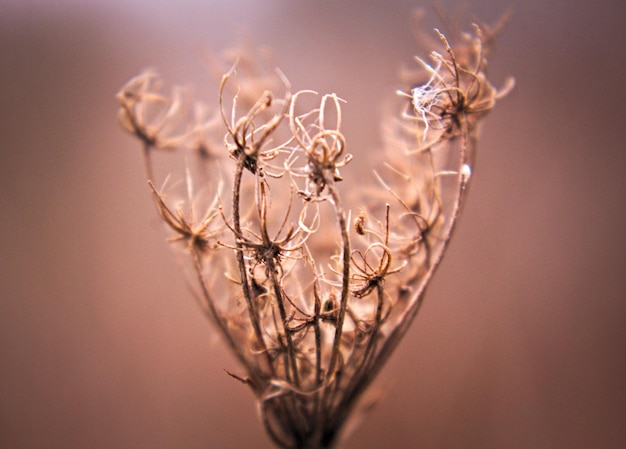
x,y
522,340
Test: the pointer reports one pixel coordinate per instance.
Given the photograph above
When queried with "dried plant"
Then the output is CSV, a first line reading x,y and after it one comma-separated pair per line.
x,y
310,292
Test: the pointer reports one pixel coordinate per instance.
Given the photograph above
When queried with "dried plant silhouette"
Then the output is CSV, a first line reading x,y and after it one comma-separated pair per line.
x,y
312,287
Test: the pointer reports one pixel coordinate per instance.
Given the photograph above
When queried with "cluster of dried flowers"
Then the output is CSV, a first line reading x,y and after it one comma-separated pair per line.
x,y
311,289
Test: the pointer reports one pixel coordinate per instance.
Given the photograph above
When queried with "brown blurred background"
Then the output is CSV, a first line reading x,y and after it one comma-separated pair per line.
x,y
522,341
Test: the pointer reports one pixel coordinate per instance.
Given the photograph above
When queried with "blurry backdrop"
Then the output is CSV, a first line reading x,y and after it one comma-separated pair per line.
x,y
521,342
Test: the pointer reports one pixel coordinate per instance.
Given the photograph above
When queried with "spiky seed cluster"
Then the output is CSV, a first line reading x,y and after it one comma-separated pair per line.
x,y
312,305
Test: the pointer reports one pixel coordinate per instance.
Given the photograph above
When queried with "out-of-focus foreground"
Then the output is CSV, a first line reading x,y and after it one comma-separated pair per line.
x,y
520,342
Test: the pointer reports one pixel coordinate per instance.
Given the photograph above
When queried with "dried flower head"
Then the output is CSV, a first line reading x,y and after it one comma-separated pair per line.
x,y
311,305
